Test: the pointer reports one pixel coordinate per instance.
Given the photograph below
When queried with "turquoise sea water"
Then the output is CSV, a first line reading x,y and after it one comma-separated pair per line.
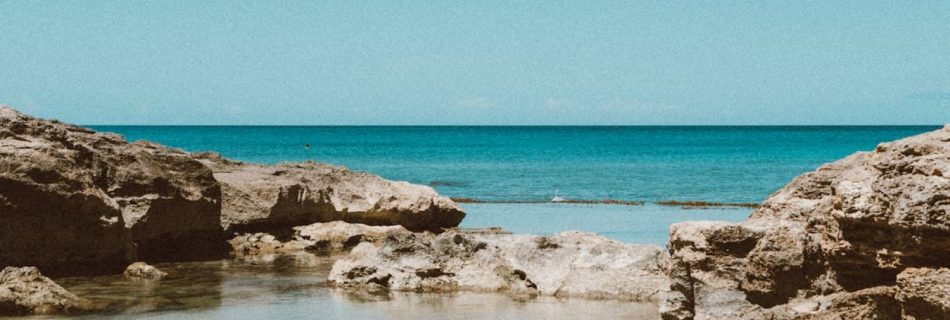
x,y
504,164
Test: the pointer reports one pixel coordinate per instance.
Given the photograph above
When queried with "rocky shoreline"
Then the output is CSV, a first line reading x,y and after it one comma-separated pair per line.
x,y
866,237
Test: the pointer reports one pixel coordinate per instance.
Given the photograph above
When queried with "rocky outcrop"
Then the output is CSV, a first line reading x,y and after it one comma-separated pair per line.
x,y
25,291
319,238
73,200
850,226
263,198
143,271
566,264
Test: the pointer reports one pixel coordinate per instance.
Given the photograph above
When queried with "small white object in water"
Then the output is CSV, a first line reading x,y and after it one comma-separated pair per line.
x,y
557,198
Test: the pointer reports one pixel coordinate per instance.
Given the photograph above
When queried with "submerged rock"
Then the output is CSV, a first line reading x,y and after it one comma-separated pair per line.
x,y
260,198
566,264
25,291
321,238
850,226
75,201
143,271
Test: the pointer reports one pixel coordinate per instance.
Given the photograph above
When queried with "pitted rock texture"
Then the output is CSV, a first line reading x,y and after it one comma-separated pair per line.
x,y
851,225
924,293
567,264
259,198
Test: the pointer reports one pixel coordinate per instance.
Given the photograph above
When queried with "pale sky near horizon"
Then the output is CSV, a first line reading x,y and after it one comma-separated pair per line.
x,y
477,62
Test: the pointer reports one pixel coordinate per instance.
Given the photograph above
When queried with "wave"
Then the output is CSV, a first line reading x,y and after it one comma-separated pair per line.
x,y
706,204
446,183
570,201
672,203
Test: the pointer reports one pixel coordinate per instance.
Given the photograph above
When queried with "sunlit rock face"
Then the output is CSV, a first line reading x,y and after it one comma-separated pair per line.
x,y
567,264
849,226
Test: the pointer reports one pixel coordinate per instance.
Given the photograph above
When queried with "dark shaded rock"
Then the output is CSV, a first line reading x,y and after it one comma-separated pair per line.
x,y
75,201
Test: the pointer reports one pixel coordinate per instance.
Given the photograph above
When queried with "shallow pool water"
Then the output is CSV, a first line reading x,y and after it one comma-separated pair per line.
x,y
294,287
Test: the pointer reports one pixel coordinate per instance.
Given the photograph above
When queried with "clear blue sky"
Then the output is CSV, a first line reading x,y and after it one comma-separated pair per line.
x,y
477,62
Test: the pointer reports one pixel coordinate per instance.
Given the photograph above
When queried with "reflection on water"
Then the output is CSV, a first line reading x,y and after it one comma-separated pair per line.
x,y
294,286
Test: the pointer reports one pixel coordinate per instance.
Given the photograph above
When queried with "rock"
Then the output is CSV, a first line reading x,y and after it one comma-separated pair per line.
x,y
261,198
924,293
76,201
566,264
870,303
257,244
143,271
73,201
850,226
25,291
338,235
323,238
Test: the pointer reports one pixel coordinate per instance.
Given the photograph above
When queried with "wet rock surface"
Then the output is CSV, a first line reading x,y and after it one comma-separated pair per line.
x,y
567,264
24,291
143,271
848,227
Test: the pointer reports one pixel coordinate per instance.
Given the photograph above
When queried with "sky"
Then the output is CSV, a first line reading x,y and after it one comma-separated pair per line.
x,y
478,62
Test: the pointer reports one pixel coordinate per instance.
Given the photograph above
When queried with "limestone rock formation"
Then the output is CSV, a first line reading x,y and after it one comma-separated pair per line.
x,y
25,291
566,264
852,225
320,238
143,271
262,198
73,200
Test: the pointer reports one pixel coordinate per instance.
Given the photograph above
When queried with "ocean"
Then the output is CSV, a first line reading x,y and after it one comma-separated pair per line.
x,y
513,172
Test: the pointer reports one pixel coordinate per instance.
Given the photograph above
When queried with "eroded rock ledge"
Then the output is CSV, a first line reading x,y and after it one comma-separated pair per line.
x,y
831,242
261,198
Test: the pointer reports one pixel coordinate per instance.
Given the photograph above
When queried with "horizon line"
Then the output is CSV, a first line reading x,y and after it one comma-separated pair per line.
x,y
513,125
